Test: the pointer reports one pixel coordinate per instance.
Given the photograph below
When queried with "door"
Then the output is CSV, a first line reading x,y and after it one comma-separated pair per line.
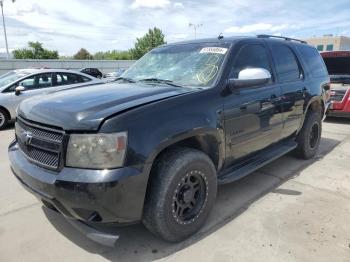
x,y
291,78
253,117
34,85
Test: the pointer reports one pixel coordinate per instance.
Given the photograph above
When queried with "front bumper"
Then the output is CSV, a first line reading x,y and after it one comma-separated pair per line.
x,y
106,196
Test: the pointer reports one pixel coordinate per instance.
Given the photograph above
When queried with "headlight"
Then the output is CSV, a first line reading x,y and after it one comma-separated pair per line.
x,y
96,151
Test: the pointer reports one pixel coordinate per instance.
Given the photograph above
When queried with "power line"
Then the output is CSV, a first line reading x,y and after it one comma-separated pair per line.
x,y
195,26
4,25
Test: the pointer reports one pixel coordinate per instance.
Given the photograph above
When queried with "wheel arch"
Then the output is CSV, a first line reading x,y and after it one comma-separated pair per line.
x,y
315,104
205,141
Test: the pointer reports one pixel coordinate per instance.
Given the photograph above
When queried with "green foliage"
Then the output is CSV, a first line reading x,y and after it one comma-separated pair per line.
x,y
152,39
35,50
83,54
113,55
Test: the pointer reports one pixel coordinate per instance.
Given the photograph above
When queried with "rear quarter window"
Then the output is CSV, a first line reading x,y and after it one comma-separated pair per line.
x,y
313,61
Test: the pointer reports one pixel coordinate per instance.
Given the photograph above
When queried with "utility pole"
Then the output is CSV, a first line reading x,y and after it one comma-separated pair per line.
x,y
195,26
3,23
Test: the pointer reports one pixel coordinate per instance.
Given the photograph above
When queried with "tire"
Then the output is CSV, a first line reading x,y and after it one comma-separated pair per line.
x,y
4,118
182,191
310,136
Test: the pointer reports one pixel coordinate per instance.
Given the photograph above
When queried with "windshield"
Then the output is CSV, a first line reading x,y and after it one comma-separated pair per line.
x,y
10,77
193,65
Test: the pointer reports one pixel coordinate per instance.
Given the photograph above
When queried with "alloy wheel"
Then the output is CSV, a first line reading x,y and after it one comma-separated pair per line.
x,y
190,197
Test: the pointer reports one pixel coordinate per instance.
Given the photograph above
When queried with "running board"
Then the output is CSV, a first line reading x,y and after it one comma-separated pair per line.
x,y
255,162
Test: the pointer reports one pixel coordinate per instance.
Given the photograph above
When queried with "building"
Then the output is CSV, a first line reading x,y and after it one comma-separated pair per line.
x,y
330,43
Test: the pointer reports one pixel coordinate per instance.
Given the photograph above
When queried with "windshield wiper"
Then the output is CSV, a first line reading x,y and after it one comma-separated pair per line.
x,y
126,79
160,81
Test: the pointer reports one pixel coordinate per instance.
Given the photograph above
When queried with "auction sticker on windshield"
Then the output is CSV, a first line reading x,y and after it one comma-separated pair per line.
x,y
214,50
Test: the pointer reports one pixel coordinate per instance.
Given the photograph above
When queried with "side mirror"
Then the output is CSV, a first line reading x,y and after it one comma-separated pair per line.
x,y
19,89
250,77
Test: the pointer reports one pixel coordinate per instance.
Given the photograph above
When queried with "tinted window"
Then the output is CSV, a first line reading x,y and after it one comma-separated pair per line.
x,y
313,61
286,64
37,81
58,80
69,79
251,56
85,79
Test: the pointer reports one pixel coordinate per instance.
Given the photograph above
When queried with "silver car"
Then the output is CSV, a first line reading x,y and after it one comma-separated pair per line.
x,y
17,85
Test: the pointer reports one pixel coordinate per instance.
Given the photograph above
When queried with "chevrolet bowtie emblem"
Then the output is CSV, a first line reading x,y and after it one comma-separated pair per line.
x,y
26,138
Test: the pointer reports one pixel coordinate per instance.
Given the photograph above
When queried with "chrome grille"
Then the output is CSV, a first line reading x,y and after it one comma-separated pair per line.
x,y
41,145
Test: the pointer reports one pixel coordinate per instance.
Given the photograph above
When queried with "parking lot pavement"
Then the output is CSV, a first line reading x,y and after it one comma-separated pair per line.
x,y
290,210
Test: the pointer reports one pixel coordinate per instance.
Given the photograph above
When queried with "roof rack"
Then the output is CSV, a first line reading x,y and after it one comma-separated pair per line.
x,y
282,37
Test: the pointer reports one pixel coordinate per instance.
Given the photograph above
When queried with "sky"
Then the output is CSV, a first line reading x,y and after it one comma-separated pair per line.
x,y
68,25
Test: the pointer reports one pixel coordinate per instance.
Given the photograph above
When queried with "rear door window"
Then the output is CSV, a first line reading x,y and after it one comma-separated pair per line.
x,y
59,80
287,66
70,79
313,61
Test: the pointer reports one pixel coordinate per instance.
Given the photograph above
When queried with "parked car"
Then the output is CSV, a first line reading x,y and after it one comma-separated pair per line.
x,y
92,72
185,118
338,65
17,85
116,73
112,76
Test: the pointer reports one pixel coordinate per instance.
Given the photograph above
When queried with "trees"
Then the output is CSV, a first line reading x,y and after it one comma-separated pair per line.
x,y
153,38
35,50
150,40
83,54
113,55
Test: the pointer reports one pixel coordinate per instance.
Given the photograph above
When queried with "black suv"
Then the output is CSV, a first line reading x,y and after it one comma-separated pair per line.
x,y
154,145
92,72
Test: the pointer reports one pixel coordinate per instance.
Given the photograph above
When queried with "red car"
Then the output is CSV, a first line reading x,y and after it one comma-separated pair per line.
x,y
338,65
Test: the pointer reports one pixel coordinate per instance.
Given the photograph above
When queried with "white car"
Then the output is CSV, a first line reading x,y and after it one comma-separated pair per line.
x,y
17,85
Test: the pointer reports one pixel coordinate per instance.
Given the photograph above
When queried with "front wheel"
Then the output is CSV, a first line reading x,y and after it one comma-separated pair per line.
x,y
181,193
310,136
3,119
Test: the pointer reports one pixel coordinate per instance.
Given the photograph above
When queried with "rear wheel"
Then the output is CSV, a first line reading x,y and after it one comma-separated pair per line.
x,y
181,194
310,136
4,118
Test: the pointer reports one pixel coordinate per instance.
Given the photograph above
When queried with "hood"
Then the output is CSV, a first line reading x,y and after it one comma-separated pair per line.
x,y
85,108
